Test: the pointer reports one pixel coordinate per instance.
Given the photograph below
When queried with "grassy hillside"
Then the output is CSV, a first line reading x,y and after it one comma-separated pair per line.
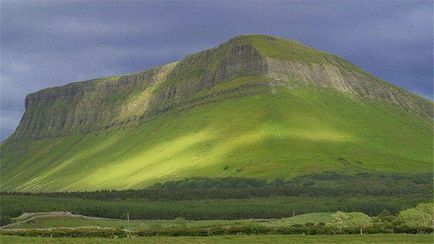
x,y
272,133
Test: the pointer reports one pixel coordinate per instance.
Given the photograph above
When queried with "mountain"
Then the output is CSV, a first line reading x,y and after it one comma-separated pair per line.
x,y
256,106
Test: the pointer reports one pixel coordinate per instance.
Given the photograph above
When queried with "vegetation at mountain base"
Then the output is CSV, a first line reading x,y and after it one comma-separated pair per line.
x,y
260,208
234,198
68,225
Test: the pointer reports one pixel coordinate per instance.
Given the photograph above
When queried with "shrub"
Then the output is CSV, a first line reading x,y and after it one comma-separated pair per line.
x,y
180,221
416,219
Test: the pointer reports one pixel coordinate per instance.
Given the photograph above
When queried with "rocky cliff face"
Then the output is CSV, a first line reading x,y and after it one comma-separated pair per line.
x,y
114,101
89,105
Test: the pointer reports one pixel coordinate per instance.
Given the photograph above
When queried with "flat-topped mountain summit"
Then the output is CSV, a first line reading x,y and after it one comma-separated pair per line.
x,y
274,62
255,106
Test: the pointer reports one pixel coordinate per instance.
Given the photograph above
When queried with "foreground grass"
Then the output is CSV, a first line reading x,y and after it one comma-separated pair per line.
x,y
380,238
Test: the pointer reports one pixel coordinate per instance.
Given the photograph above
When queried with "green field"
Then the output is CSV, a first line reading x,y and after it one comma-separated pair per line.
x,y
282,134
381,238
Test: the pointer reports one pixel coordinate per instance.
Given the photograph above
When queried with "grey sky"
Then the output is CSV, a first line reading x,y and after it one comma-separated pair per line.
x,y
50,43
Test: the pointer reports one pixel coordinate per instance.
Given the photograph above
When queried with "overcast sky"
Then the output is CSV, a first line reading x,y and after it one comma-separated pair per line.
x,y
48,43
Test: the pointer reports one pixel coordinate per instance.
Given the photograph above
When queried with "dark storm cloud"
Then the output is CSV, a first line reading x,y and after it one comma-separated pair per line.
x,y
48,43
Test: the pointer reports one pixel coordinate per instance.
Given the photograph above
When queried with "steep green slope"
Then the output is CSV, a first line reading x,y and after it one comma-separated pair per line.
x,y
277,133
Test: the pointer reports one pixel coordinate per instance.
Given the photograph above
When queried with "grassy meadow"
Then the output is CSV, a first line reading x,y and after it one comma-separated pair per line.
x,y
247,239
